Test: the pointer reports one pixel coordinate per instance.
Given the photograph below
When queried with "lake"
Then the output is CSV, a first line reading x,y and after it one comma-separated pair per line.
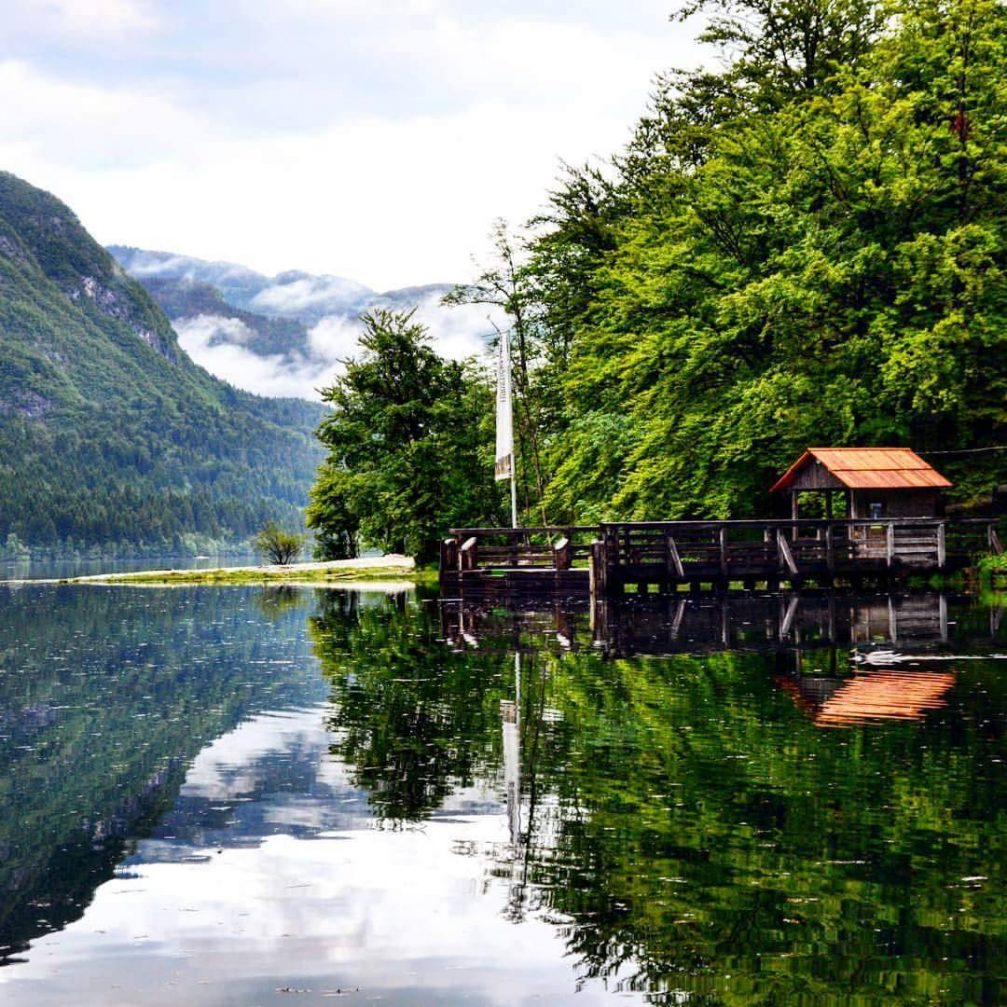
x,y
248,796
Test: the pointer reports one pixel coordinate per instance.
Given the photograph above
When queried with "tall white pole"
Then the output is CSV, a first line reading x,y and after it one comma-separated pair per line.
x,y
513,495
506,463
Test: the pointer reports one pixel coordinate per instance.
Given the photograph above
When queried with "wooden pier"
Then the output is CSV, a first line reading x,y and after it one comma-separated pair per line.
x,y
619,557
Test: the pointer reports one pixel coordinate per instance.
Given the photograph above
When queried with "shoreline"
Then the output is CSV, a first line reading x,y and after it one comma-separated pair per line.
x,y
368,571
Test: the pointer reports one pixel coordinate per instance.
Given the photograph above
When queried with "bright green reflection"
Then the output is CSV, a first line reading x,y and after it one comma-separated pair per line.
x,y
684,820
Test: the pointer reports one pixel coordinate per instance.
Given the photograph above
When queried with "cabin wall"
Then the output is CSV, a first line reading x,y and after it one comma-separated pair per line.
x,y
898,503
814,476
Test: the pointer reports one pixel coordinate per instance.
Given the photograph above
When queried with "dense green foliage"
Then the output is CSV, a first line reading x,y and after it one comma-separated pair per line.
x,y
409,441
806,246
109,434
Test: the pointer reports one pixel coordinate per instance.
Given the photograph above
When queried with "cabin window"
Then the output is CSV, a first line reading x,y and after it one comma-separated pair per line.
x,y
875,510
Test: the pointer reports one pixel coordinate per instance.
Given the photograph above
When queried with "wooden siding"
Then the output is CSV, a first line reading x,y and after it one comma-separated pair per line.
x,y
814,476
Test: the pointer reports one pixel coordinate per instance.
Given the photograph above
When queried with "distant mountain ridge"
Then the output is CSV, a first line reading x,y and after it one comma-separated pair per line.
x,y
109,434
307,297
286,333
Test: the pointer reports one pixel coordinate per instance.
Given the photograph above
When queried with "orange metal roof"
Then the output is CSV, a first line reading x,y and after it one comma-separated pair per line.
x,y
870,468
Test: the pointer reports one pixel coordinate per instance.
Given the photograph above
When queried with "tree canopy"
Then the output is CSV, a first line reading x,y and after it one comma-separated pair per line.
x,y
409,446
805,248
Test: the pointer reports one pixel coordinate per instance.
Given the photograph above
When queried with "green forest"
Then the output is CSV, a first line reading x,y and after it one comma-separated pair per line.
x,y
802,243
111,439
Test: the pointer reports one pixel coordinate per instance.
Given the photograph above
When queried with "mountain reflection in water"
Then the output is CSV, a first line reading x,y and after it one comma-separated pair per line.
x,y
229,796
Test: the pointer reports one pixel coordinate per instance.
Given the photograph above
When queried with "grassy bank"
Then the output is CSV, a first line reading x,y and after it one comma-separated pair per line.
x,y
367,570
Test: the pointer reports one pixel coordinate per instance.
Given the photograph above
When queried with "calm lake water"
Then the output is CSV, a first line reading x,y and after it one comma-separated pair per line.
x,y
230,796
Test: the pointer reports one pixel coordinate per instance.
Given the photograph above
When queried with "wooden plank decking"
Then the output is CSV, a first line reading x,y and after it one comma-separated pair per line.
x,y
612,557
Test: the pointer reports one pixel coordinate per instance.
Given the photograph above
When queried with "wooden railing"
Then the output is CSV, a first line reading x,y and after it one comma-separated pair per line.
x,y
677,551
561,547
793,546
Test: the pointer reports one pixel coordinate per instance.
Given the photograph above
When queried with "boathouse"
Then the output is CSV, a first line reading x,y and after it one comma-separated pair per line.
x,y
852,517
871,483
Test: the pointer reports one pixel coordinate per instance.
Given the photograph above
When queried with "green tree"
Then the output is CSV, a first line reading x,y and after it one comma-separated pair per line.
x,y
277,545
409,446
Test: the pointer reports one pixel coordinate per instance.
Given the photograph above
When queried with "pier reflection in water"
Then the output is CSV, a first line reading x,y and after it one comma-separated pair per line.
x,y
456,805
680,623
831,649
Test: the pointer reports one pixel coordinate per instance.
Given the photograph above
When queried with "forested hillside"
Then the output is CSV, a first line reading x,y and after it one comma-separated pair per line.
x,y
803,244
109,435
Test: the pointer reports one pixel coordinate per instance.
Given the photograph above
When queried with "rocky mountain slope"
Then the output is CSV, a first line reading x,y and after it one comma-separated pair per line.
x,y
109,433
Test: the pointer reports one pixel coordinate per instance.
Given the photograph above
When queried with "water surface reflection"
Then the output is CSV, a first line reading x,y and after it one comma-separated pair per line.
x,y
220,796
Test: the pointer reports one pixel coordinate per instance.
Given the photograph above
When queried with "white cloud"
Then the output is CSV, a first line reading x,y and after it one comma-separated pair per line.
x,y
334,338
458,332
99,18
216,343
305,293
81,131
375,143
271,375
413,200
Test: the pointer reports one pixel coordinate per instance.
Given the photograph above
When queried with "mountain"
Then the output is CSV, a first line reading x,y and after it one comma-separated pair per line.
x,y
292,294
109,433
285,334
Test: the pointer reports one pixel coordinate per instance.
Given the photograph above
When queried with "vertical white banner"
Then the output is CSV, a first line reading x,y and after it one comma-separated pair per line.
x,y
505,413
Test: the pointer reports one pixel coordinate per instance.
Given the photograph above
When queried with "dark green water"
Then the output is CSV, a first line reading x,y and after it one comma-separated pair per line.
x,y
236,796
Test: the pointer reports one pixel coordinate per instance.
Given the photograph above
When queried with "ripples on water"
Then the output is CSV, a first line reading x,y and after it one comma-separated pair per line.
x,y
241,796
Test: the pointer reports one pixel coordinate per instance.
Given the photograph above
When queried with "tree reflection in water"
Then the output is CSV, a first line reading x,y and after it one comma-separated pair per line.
x,y
684,822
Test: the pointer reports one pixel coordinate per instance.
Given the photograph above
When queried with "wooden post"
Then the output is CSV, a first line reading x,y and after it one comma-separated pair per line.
x,y
786,556
597,568
996,547
830,552
449,556
561,554
674,560
890,543
676,625
467,555
787,622
942,552
722,539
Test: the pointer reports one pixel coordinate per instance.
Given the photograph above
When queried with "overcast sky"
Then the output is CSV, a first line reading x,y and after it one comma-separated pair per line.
x,y
372,139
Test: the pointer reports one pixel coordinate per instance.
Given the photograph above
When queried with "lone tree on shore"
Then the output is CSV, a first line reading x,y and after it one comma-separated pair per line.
x,y
278,546
409,442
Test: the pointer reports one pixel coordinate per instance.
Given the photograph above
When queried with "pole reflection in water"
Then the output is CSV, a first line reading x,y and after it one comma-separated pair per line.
x,y
510,716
